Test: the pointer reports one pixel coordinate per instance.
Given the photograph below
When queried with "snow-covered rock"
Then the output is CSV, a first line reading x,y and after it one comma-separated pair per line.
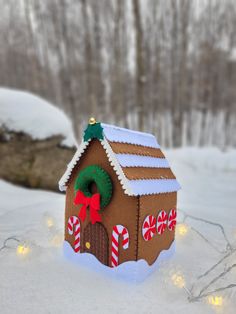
x,y
27,113
36,140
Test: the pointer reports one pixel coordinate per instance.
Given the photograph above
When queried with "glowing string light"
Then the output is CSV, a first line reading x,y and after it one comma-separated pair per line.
x,y
182,229
215,300
50,222
22,249
178,280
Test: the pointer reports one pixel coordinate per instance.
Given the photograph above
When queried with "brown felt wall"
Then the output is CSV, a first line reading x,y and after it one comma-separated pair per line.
x,y
122,209
125,148
152,205
136,173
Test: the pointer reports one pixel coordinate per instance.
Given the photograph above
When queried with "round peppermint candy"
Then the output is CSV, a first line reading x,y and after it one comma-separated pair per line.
x,y
161,222
172,219
149,227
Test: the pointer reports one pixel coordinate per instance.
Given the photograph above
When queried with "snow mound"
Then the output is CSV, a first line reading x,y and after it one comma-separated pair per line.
x,y
132,271
24,112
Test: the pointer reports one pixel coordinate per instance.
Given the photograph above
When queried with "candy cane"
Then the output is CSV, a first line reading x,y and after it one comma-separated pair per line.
x,y
73,226
118,230
161,222
172,219
149,227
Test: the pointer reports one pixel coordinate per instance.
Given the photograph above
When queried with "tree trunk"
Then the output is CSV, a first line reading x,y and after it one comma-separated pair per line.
x,y
140,70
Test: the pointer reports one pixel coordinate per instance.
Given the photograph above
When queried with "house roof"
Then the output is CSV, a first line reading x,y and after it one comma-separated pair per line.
x,y
140,165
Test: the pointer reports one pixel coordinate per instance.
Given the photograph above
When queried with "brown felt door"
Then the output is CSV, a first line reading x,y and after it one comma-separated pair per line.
x,y
95,241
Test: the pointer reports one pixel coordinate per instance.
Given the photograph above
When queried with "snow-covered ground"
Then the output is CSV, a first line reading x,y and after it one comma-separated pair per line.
x,y
24,112
43,281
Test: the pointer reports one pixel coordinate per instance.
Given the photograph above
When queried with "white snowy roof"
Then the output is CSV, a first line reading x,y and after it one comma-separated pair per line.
x,y
122,135
142,155
24,112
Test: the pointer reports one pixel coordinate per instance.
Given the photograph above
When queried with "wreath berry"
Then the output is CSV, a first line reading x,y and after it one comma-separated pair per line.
x,y
95,174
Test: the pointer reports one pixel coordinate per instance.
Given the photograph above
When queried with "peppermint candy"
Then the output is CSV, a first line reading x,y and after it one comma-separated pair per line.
x,y
172,219
161,222
149,227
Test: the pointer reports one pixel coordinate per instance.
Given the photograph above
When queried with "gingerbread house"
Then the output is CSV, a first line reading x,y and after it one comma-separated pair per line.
x,y
121,196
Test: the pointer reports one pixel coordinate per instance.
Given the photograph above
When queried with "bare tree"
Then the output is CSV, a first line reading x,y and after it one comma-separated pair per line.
x,y
163,66
140,69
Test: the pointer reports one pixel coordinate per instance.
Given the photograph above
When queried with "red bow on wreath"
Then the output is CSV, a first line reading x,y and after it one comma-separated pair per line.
x,y
93,202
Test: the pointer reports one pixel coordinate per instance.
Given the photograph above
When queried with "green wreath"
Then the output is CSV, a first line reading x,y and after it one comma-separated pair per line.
x,y
95,174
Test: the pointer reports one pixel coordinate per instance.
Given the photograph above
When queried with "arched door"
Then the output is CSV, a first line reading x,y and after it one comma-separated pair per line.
x,y
95,241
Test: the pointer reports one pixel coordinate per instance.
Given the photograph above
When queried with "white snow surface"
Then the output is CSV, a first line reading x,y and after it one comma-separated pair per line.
x,y
132,271
44,281
24,112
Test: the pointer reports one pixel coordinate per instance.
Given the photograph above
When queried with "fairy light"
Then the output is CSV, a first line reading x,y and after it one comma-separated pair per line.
x,y
50,222
178,280
22,249
215,300
182,229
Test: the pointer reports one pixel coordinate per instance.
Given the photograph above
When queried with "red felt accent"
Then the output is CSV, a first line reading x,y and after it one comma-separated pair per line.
x,y
76,241
114,251
77,249
92,202
125,241
114,241
124,232
115,229
114,262
70,227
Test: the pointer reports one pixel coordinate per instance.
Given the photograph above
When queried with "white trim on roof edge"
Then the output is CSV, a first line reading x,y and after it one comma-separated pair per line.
x,y
71,165
111,157
130,187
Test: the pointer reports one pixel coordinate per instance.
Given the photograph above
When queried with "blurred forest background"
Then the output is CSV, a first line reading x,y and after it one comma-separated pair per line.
x,y
163,66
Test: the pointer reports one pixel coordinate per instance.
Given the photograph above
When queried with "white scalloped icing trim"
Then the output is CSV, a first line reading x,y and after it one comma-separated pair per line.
x,y
130,187
71,165
116,166
112,159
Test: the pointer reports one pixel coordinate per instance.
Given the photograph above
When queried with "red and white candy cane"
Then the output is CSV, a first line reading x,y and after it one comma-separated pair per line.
x,y
116,232
73,227
172,219
149,227
161,222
